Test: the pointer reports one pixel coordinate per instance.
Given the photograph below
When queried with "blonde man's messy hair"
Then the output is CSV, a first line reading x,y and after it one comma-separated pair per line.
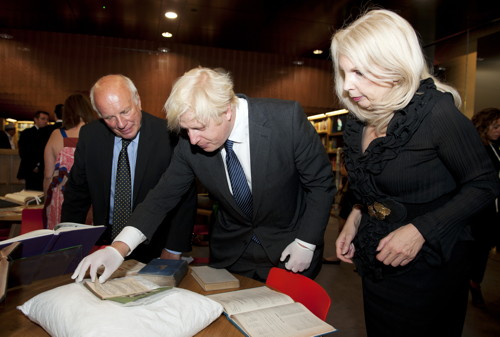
x,y
385,49
207,93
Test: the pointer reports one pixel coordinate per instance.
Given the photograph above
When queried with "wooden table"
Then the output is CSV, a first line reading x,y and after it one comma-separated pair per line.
x,y
10,222
13,323
11,218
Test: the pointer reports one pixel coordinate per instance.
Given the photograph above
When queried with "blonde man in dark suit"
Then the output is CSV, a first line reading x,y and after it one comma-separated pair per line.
x,y
285,167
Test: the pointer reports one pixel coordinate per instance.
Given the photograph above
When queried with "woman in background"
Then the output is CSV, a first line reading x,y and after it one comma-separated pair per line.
x,y
59,154
486,224
417,170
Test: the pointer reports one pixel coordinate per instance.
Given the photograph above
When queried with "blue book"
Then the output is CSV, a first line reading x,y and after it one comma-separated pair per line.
x,y
165,273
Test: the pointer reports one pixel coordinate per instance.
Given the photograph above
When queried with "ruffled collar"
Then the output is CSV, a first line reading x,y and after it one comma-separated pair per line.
x,y
362,167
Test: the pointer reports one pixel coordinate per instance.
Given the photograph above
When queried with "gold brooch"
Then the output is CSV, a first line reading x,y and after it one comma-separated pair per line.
x,y
378,210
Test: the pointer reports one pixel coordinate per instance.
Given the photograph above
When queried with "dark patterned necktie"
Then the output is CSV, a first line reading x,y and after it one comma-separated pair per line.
x,y
241,191
123,191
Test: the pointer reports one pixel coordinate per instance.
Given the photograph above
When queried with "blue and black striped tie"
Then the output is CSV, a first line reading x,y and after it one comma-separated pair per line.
x,y
239,185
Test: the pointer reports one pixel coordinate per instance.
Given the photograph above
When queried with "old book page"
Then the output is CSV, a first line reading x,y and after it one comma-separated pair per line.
x,y
287,320
120,289
235,302
265,312
127,268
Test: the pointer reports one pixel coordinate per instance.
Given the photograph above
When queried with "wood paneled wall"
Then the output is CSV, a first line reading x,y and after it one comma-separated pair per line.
x,y
40,69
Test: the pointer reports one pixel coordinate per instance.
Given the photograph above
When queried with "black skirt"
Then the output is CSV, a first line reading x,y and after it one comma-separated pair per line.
x,y
424,301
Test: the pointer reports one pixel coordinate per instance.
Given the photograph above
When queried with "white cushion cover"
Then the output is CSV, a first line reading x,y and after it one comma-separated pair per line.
x,y
72,310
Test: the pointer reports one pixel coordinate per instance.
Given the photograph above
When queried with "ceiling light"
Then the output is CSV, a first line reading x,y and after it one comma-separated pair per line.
x,y
11,120
166,34
298,63
163,50
317,52
171,15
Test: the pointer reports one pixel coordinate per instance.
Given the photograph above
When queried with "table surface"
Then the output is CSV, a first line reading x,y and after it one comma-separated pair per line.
x,y
15,324
11,217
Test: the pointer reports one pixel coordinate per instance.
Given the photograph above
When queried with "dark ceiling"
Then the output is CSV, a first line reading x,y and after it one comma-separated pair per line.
x,y
293,27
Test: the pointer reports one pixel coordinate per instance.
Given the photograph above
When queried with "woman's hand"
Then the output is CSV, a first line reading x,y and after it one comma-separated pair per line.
x,y
401,246
345,248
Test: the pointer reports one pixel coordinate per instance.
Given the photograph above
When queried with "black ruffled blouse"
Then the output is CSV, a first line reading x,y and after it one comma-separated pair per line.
x,y
429,170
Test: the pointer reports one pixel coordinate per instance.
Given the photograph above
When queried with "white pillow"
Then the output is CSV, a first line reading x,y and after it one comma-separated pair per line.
x,y
72,310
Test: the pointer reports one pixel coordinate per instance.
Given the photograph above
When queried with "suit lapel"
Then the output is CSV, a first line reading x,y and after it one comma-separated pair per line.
x,y
215,175
260,137
105,150
143,153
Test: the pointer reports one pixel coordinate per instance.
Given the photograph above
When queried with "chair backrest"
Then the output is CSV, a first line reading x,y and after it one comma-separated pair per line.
x,y
301,289
31,219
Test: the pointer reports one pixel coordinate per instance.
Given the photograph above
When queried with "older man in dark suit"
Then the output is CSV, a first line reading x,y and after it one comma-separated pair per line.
x,y
93,180
274,196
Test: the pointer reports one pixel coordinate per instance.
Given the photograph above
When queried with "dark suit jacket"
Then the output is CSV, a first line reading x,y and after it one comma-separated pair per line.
x,y
4,140
31,146
292,186
90,182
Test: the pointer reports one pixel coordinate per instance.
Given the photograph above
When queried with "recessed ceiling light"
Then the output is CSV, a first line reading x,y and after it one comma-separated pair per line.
x,y
171,15
166,34
317,52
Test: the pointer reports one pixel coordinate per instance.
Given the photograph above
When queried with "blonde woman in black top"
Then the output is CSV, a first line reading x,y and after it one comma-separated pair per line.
x,y
417,170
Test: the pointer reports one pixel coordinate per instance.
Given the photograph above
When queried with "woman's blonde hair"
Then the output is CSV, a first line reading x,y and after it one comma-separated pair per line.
x,y
207,93
385,48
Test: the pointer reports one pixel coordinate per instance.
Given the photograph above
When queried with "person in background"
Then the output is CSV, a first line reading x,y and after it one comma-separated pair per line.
x,y
58,111
125,129
418,172
7,136
31,146
10,130
260,159
486,224
59,154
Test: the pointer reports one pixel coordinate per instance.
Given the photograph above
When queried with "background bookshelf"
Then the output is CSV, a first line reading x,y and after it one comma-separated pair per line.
x,y
330,126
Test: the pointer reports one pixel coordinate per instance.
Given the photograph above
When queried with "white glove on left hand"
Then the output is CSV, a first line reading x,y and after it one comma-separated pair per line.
x,y
300,257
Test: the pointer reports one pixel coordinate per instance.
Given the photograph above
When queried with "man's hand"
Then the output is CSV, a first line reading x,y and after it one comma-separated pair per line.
x,y
108,257
300,257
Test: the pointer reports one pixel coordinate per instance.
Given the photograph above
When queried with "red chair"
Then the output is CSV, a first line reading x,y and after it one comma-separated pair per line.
x,y
31,219
301,289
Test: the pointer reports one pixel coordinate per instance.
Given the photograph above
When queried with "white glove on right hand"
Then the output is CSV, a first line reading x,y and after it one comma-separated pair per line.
x,y
108,257
300,257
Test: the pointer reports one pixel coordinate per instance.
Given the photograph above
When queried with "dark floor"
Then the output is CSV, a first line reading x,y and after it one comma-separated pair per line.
x,y
344,286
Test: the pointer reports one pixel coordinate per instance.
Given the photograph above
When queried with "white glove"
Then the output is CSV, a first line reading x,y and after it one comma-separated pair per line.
x,y
300,257
108,257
